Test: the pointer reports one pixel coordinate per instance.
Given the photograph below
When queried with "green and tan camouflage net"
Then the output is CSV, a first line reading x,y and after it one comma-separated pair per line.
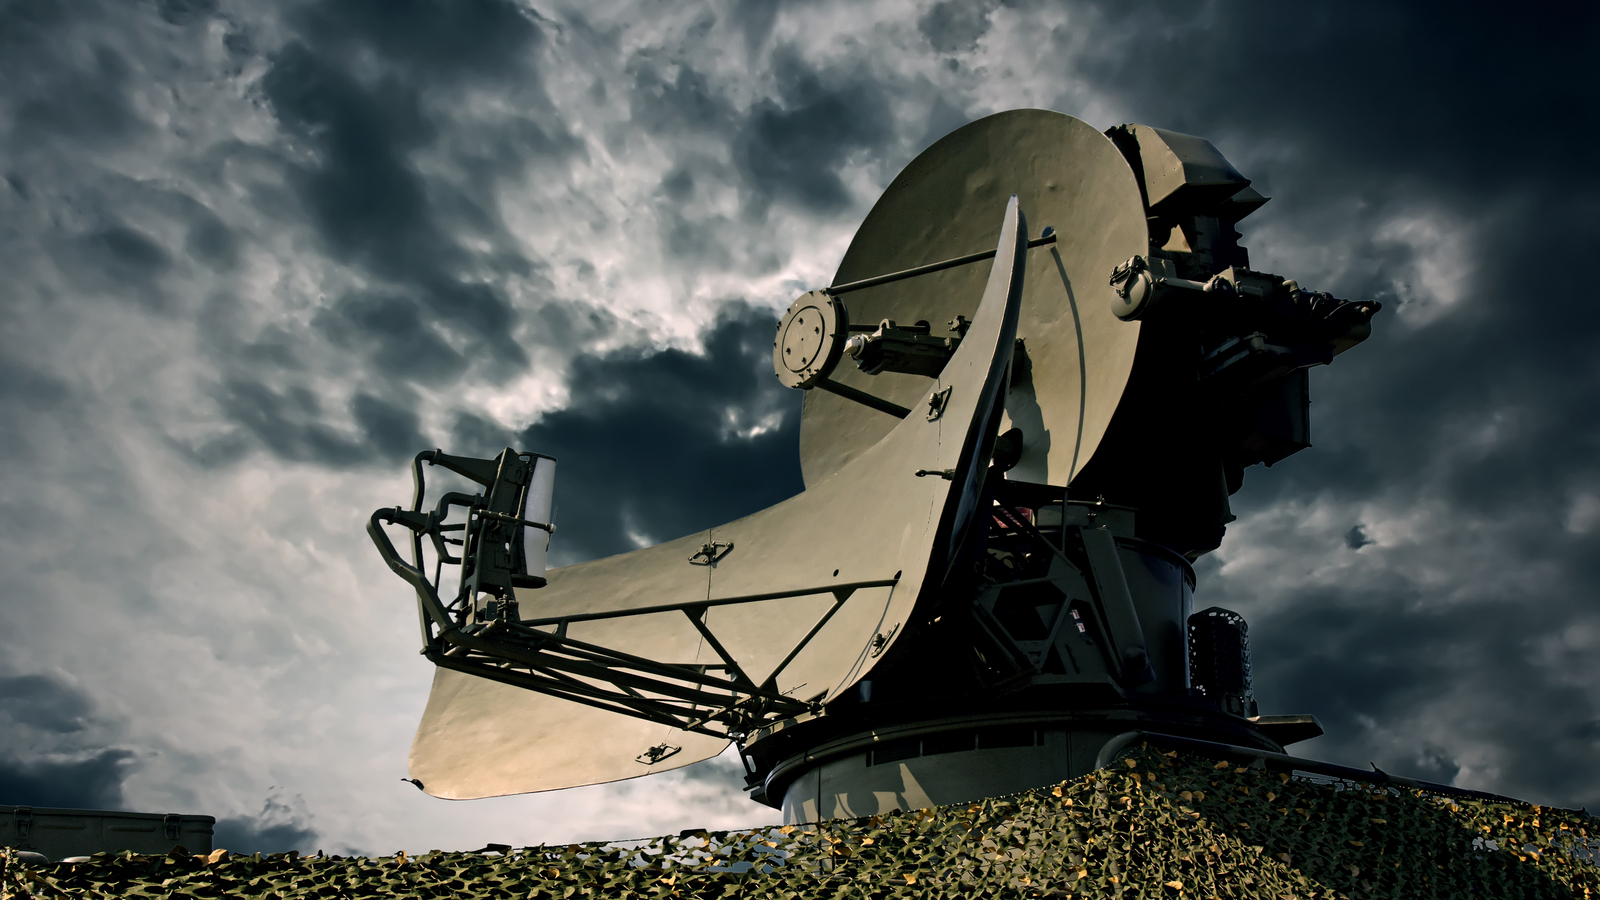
x,y
1153,825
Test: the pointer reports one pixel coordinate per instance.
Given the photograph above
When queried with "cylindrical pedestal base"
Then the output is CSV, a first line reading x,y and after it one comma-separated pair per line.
x,y
936,769
960,759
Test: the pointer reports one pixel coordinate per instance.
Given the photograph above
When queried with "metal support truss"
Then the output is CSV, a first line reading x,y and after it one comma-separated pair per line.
x,y
719,699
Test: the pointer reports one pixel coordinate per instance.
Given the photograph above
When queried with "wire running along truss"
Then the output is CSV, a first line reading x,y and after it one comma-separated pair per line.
x,y
489,639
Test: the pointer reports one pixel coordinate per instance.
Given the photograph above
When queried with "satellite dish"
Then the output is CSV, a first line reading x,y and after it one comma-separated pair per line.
x,y
1068,177
780,610
1011,455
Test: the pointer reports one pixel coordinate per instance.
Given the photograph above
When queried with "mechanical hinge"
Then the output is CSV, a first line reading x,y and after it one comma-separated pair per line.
x,y
880,641
657,754
938,403
712,553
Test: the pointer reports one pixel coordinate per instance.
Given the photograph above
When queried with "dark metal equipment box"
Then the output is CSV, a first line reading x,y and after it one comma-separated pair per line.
x,y
60,833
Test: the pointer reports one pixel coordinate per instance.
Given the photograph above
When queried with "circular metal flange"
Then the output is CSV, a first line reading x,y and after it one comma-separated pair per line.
x,y
945,204
1134,287
810,340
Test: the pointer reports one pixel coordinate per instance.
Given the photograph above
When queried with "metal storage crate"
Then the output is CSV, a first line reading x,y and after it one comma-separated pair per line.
x,y
59,833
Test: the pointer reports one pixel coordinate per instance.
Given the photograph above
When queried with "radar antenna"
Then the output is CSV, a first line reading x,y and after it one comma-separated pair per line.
x,y
1011,457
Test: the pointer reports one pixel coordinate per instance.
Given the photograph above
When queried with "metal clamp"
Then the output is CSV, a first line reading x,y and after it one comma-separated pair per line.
x,y
880,641
657,753
711,553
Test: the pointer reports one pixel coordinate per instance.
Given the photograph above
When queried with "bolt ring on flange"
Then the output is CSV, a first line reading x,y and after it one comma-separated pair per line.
x,y
810,340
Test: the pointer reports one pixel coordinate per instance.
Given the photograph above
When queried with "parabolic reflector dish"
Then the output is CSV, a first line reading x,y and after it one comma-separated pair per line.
x,y
783,609
1006,479
945,204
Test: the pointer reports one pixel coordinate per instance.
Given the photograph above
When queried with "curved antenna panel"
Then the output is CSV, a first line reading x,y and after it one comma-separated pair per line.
x,y
1077,354
699,640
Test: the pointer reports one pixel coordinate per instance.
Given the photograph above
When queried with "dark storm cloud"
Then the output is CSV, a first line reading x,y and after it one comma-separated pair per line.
x,y
209,240
474,39
1356,538
82,97
289,423
279,827
669,94
370,204
792,147
184,12
1432,92
43,703
398,341
119,262
131,240
292,424
1363,116
390,429
46,756
366,86
94,782
572,324
954,25
672,100
1365,665
755,18
1400,408
23,387
661,444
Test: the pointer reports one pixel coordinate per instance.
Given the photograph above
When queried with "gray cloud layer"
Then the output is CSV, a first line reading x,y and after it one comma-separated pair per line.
x,y
258,255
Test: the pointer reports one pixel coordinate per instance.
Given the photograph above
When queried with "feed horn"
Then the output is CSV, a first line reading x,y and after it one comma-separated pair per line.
x,y
1041,369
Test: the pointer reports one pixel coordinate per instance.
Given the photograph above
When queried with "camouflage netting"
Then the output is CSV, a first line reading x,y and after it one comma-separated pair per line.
x,y
1155,825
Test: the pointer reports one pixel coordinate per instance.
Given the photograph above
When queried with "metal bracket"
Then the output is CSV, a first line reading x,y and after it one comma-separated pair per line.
x,y
1123,275
24,817
169,825
712,553
938,403
907,349
880,641
1116,604
657,754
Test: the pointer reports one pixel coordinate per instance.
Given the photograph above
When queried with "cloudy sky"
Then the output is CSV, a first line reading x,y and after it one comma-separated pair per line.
x,y
253,256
